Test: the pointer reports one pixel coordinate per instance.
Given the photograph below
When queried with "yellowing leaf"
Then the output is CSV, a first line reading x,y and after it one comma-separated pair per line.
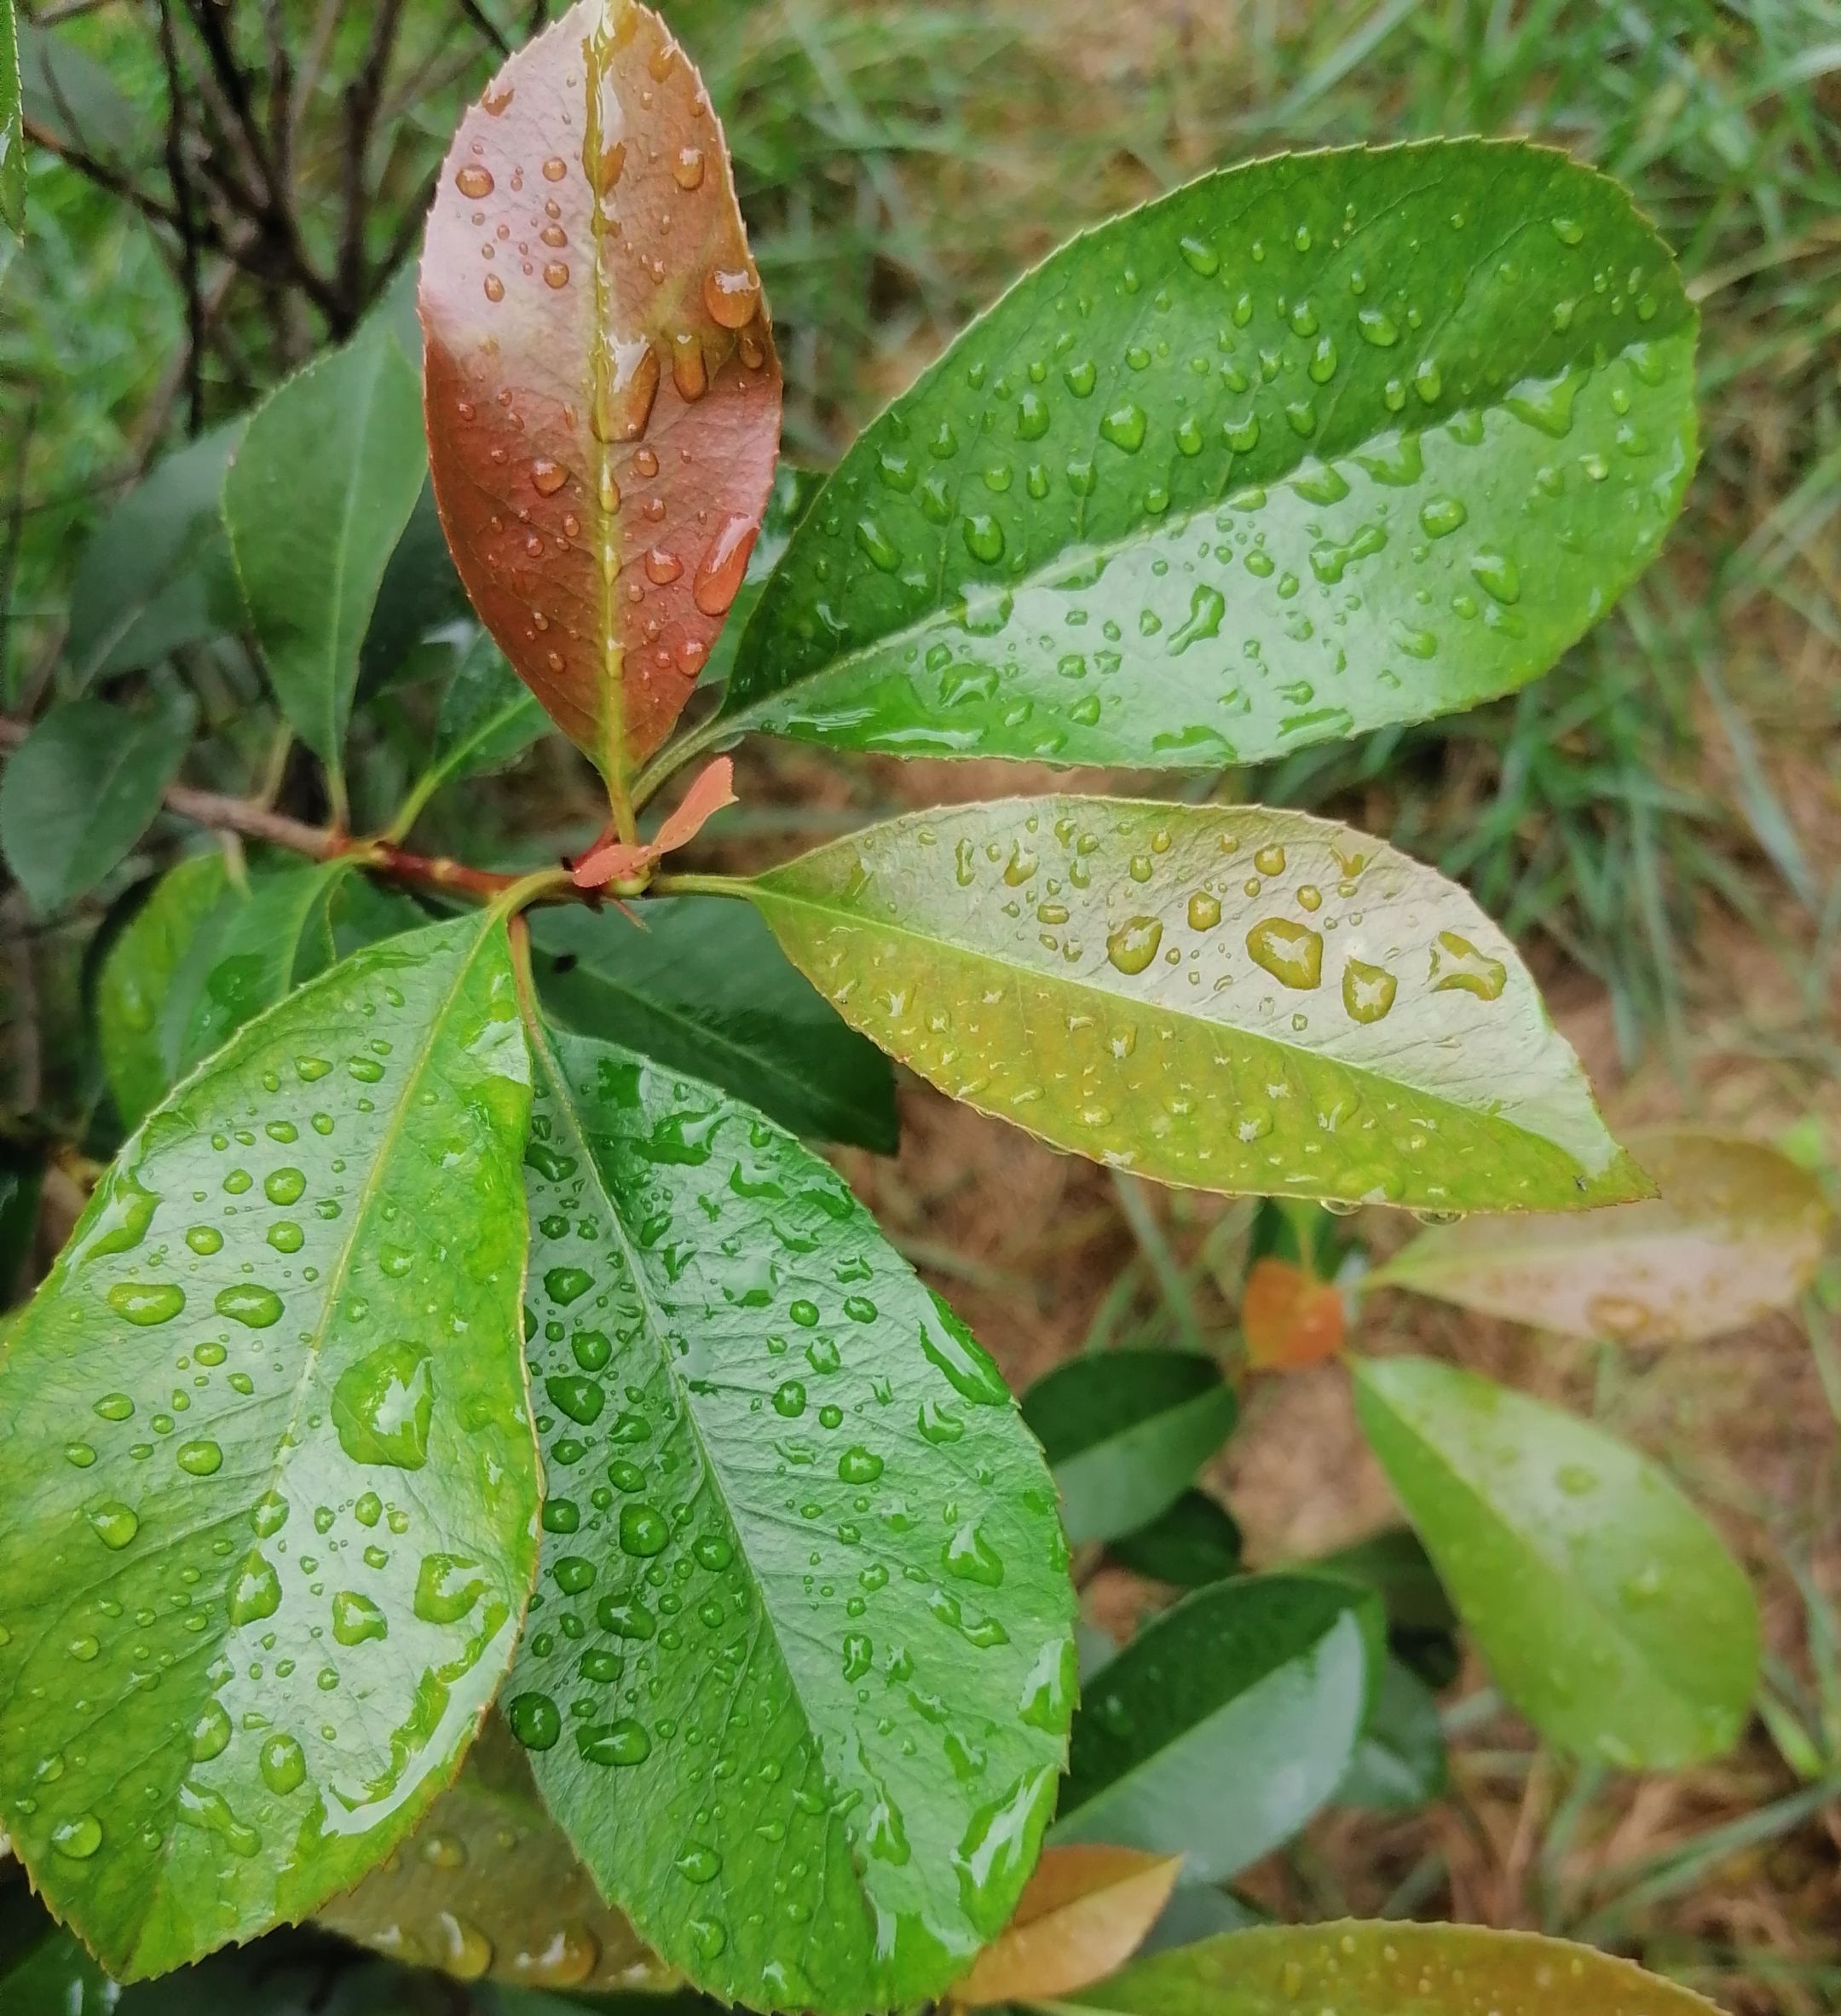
x,y
1737,1232
1082,1914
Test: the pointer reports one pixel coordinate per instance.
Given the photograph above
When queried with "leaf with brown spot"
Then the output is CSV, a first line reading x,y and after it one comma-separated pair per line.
x,y
1290,1319
602,395
1082,1915
1737,1232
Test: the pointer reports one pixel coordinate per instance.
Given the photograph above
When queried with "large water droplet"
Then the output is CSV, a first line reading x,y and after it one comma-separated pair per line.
x,y
384,1405
1132,945
283,1764
147,1302
1290,951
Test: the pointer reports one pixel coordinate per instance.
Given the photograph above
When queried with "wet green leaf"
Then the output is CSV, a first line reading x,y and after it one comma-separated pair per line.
x,y
788,502
1314,444
488,1887
156,573
1737,1232
44,1971
83,788
488,716
318,491
1391,1968
1610,1612
420,593
1398,1763
1193,1542
12,132
1236,998
139,988
797,1545
1226,1723
1125,1431
267,1463
704,988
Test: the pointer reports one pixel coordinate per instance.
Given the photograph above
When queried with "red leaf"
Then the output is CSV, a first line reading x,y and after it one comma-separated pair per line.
x,y
602,395
616,861
1290,1320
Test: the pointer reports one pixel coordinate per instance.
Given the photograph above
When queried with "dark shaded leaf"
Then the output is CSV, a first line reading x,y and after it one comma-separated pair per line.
x,y
82,788
1125,1431
1194,1541
1226,1723
704,988
1399,1765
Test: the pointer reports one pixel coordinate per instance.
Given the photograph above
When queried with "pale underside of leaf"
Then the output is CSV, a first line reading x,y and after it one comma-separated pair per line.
x,y
1609,1608
1314,444
1082,1915
266,1447
1384,1969
1231,997
824,1603
1737,1232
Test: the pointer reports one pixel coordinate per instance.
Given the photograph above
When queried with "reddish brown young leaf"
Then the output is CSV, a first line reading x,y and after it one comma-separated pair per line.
x,y
603,398
1290,1319
613,861
1081,1917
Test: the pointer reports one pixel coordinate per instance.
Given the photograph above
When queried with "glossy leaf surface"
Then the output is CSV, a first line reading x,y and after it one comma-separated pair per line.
x,y
317,492
602,396
82,788
1225,1723
488,718
269,1464
802,1581
1389,1968
1082,1915
1125,1431
1610,1612
1193,1541
488,1887
1239,999
704,988
1737,1232
157,573
1314,444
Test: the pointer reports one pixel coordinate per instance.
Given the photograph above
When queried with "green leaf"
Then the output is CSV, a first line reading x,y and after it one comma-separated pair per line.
x,y
267,1463
12,131
200,957
1737,1232
1124,1432
1236,998
489,1887
1225,1723
281,936
316,496
1399,1765
1421,1625
44,1971
1609,1611
419,592
488,717
1193,1542
77,102
797,1545
788,502
704,988
156,575
1390,1968
1314,444
82,788
140,986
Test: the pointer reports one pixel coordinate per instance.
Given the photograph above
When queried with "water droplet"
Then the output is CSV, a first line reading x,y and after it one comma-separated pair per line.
x,y
731,294
535,1720
383,1405
204,1240
1133,945
78,1839
494,287
858,1465
211,1733
1376,326
971,1557
201,1459
144,1304
244,1303
356,1619
622,1743
474,182
256,1592
448,1587
1124,426
547,477
114,1406
698,1863
115,1524
1497,575
720,571
1368,991
1442,515
1292,953
1458,963
283,1764
1200,257
643,1530
1270,860
687,168
1567,230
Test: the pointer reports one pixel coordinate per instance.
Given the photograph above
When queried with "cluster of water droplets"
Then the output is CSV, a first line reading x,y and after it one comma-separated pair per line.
x,y
241,1533
775,1530
1145,511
